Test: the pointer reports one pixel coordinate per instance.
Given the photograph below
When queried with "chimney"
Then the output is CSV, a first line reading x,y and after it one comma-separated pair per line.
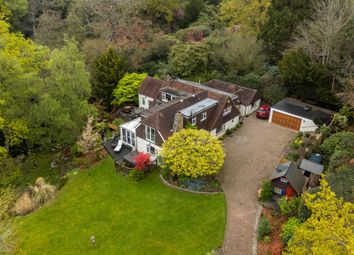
x,y
178,122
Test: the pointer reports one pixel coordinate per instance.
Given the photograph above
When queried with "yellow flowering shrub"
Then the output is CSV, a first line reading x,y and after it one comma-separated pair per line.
x,y
193,153
330,228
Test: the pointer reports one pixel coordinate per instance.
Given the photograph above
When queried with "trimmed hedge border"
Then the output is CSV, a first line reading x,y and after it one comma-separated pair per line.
x,y
187,190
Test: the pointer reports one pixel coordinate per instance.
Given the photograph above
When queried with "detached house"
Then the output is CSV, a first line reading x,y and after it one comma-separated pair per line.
x,y
167,106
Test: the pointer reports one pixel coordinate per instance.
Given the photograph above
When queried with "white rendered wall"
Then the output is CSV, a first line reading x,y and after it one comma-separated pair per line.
x,y
147,99
307,125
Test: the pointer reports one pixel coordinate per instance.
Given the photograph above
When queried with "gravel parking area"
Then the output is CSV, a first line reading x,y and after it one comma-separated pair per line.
x,y
251,155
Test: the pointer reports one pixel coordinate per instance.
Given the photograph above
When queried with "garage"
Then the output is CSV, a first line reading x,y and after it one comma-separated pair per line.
x,y
299,116
286,120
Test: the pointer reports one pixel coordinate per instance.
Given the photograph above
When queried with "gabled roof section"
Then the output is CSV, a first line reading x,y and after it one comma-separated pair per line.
x,y
162,120
151,87
245,95
292,173
304,110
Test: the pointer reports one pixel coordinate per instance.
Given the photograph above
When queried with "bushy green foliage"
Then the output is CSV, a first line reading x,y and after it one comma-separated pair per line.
x,y
289,207
189,60
127,89
339,141
136,175
267,191
193,153
306,80
296,143
289,228
292,156
264,227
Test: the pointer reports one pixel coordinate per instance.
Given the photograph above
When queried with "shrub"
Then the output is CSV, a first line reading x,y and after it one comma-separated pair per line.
x,y
339,141
228,131
136,175
118,121
267,191
324,130
7,197
297,143
264,227
142,161
267,239
292,156
339,122
34,197
289,207
193,153
289,228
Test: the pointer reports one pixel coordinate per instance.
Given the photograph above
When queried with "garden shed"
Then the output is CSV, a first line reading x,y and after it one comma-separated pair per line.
x,y
299,116
287,180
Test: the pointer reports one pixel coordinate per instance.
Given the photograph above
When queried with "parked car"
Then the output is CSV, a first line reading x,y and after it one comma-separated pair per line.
x,y
263,112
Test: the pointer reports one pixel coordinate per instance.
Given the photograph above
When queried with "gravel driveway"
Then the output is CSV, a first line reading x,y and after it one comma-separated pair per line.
x,y
251,155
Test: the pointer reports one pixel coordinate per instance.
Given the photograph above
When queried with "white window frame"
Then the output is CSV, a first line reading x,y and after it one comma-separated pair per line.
x,y
143,101
194,120
227,110
128,137
148,149
150,134
163,97
204,116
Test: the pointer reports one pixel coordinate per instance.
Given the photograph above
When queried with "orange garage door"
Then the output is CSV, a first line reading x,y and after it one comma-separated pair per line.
x,y
286,120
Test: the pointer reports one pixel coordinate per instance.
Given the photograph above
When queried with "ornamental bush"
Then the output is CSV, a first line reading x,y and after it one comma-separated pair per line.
x,y
289,207
193,153
267,191
289,228
264,227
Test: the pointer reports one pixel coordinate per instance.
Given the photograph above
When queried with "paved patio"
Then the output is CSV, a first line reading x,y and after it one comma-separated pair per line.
x,y
251,155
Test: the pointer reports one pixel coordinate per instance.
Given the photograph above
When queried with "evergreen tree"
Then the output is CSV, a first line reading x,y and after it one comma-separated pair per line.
x,y
107,70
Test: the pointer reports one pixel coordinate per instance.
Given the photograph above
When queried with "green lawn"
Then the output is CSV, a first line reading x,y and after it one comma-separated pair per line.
x,y
126,218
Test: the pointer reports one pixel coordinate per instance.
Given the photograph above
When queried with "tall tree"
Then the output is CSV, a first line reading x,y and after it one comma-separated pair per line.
x,y
237,53
189,60
317,35
329,230
44,92
284,17
305,80
107,70
249,15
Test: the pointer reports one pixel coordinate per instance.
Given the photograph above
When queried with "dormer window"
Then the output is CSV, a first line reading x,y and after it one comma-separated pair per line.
x,y
204,116
165,97
143,101
194,120
227,110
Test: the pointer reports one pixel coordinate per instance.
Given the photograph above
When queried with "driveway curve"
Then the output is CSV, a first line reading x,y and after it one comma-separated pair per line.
x,y
251,155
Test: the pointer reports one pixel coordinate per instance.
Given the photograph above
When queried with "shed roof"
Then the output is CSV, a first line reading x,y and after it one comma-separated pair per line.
x,y
312,167
304,110
292,173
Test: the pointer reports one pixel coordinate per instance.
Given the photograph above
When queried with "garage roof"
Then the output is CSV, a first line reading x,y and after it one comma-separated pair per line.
x,y
304,110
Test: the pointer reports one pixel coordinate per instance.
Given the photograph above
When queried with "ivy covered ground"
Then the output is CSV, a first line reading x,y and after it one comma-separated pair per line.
x,y
126,217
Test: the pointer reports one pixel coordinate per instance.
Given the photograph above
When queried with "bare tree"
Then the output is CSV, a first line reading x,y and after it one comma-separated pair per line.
x,y
317,35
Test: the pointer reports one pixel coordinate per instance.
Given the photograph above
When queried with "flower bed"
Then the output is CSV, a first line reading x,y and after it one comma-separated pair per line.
x,y
201,184
272,244
302,146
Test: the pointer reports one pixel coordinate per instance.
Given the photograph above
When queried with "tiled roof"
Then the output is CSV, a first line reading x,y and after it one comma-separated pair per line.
x,y
151,87
245,95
